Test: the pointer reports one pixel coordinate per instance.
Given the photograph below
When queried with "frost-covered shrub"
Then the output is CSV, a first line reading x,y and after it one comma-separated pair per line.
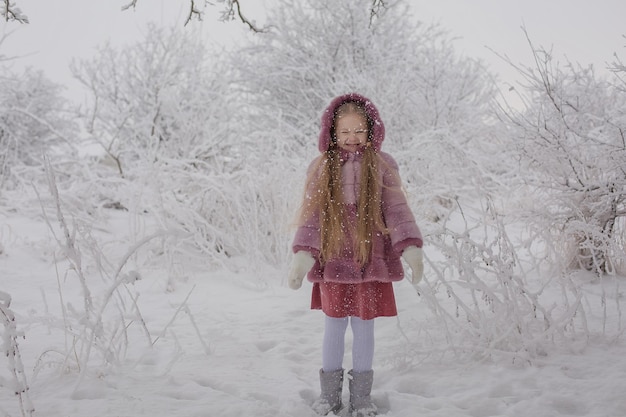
x,y
162,97
33,121
492,299
219,215
99,331
570,138
167,118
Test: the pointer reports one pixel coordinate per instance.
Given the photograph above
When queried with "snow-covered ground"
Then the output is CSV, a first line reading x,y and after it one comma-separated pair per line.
x,y
243,344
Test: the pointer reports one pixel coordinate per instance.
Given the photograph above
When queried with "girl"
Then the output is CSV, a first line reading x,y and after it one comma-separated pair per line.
x,y
354,225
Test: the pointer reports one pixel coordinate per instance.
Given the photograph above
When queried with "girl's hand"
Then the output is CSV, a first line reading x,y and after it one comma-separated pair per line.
x,y
414,257
301,264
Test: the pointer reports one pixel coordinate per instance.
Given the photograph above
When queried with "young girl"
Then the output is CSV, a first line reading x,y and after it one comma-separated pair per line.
x,y
354,226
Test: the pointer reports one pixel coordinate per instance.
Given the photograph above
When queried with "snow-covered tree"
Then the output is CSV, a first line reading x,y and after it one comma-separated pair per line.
x,y
572,141
317,50
159,98
434,101
32,122
165,114
10,12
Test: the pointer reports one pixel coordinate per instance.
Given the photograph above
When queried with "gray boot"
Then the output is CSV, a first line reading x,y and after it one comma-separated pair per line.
x,y
360,384
330,398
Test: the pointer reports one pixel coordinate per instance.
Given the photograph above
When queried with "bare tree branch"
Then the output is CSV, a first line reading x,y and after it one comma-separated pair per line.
x,y
618,68
193,12
376,5
242,18
232,11
11,12
132,4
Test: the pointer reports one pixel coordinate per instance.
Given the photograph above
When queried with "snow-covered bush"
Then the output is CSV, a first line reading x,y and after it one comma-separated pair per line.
x,y
162,97
571,141
33,121
98,333
165,114
487,291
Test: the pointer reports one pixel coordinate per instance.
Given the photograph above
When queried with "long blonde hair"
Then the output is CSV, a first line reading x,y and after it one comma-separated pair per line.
x,y
326,196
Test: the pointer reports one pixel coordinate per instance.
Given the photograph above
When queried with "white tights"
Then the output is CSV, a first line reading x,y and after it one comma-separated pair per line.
x,y
334,343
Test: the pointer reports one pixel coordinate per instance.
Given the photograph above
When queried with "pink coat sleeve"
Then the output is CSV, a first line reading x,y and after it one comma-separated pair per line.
x,y
307,236
403,230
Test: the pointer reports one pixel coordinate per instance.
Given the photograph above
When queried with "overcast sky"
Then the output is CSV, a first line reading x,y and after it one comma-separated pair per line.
x,y
584,31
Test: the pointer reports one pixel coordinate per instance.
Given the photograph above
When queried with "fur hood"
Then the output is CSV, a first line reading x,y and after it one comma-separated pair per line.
x,y
377,128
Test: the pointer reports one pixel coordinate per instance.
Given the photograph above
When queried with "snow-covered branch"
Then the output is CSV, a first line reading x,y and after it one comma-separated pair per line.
x,y
10,12
9,348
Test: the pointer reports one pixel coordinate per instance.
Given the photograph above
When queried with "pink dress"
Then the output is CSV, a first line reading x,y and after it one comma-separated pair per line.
x,y
366,300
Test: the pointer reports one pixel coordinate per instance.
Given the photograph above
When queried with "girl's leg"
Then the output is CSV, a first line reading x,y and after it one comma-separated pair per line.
x,y
331,374
334,343
362,344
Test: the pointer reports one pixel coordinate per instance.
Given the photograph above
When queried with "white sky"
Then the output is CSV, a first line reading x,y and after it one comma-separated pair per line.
x,y
584,31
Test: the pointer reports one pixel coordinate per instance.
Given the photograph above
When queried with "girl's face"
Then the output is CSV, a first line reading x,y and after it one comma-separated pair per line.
x,y
351,131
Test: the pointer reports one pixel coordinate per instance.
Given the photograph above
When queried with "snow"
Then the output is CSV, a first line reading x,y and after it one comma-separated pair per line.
x,y
244,344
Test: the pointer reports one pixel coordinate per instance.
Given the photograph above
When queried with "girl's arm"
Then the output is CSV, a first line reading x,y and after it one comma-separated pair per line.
x,y
403,230
307,237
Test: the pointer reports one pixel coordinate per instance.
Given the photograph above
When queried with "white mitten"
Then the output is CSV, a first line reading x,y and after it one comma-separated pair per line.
x,y
413,256
301,264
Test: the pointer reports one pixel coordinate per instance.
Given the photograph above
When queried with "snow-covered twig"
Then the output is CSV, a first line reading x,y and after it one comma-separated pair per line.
x,y
17,383
181,307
